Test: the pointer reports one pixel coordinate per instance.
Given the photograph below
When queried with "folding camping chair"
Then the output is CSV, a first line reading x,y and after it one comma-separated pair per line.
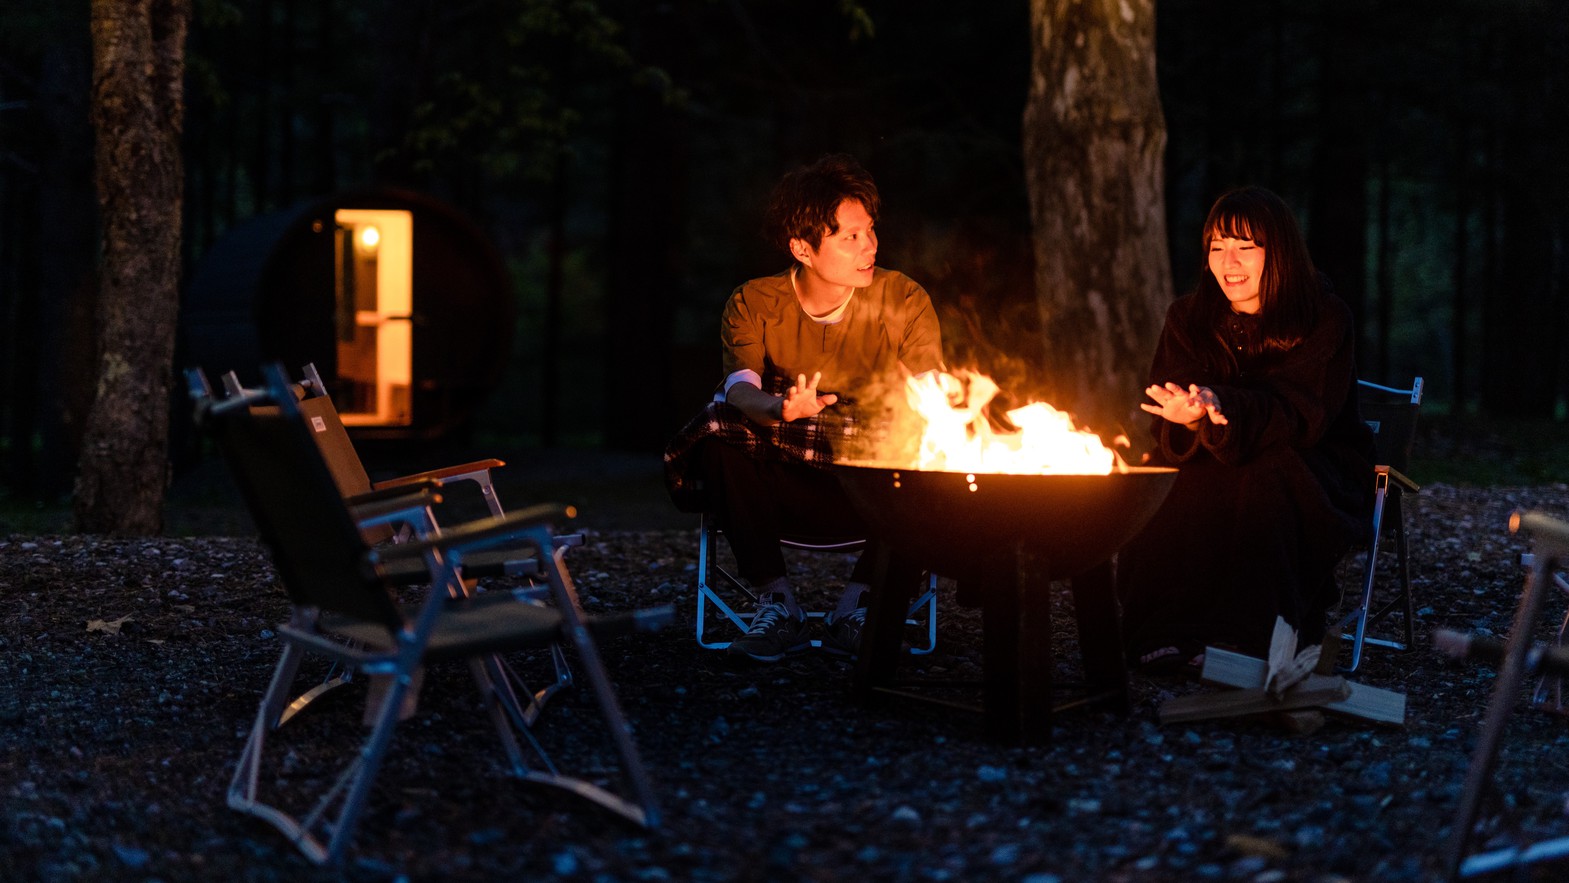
x,y
1391,413
1520,657
354,482
723,592
343,607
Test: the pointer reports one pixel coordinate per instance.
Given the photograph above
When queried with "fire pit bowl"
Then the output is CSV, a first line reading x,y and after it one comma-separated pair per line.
x,y
1005,538
952,522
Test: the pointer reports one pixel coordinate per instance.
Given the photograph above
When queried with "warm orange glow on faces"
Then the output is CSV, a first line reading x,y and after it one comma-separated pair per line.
x,y
1238,266
846,256
961,439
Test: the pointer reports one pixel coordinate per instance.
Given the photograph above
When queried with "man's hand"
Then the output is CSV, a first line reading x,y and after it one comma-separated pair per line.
x,y
802,400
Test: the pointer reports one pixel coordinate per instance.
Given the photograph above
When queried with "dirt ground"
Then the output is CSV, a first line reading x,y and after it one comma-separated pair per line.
x,y
130,669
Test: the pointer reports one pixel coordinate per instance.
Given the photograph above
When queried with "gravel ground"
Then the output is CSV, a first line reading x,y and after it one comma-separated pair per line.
x,y
129,669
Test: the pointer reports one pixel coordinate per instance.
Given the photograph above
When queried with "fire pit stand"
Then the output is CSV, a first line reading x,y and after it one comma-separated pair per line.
x,y
1005,538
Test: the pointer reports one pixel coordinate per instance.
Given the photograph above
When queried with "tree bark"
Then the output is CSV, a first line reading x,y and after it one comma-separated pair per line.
x,y
137,110
1094,139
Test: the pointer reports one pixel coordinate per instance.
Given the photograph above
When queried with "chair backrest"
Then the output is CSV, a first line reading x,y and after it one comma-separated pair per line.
x,y
300,514
329,433
1391,413
326,427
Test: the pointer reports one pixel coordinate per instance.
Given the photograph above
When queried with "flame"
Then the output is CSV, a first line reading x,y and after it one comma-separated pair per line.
x,y
960,438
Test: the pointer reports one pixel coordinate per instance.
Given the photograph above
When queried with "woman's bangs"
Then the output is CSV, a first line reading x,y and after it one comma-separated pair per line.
x,y
1230,226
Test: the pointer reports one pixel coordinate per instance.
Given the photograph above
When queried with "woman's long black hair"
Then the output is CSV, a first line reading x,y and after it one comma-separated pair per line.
x,y
1289,292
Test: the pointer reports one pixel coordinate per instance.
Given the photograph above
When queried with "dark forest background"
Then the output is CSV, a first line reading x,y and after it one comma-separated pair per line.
x,y
619,151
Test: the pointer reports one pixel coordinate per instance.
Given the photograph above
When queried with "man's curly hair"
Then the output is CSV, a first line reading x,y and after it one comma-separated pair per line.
x,y
805,202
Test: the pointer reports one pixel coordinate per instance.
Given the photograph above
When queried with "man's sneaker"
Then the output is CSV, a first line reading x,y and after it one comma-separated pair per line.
x,y
843,637
773,633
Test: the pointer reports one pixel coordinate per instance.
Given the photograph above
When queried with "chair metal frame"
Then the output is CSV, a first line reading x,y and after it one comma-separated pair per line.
x,y
1549,692
922,614
343,607
331,436
1390,485
1520,655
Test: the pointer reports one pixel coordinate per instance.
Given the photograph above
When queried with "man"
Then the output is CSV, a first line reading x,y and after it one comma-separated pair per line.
x,y
814,358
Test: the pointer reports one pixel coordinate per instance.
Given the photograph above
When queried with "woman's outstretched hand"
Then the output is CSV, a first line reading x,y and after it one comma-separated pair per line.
x,y
802,400
1184,406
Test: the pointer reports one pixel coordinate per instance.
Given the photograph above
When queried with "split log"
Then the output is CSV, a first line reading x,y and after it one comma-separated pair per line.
x,y
1311,692
1227,669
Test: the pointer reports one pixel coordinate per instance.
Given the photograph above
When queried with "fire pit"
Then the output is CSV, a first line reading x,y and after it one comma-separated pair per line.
x,y
1005,538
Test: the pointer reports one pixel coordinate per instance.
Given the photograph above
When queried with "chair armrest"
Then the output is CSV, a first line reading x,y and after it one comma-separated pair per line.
x,y
396,508
469,471
1548,530
1400,478
483,534
413,488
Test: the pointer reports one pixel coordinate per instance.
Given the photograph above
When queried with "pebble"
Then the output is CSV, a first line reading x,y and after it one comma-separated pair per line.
x,y
906,813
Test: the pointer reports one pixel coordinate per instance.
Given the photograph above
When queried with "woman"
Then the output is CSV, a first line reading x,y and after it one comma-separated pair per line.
x,y
1253,388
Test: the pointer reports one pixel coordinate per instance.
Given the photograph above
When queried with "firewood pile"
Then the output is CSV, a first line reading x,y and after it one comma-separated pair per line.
x,y
1296,687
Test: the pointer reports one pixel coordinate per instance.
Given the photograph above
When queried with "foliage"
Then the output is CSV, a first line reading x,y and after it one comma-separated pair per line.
x,y
514,110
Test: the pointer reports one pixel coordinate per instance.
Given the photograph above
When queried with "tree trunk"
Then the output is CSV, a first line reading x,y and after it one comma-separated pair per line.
x,y
1094,138
137,108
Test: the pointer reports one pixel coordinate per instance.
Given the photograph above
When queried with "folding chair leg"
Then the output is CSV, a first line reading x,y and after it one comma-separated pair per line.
x,y
709,598
538,698
1549,692
348,792
1402,602
502,705
274,710
277,712
1359,614
268,718
1484,757
642,809
1357,618
923,615
357,778
558,659
1405,576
